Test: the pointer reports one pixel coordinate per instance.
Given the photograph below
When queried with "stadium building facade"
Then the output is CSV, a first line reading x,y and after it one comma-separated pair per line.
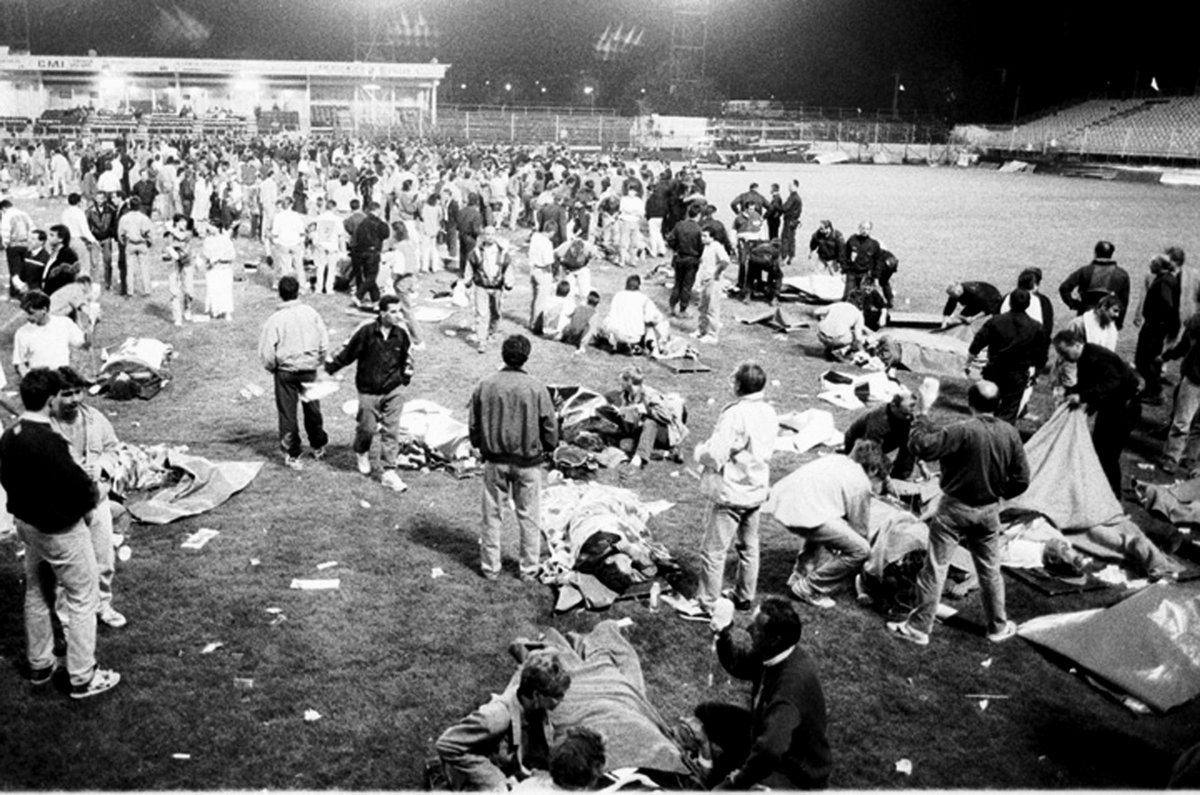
x,y
302,95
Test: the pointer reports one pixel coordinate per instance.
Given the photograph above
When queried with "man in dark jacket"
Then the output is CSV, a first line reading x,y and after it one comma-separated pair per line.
x,y
381,348
859,258
1107,387
793,205
888,426
1013,341
780,742
829,245
1084,288
513,425
50,496
366,248
684,240
983,463
102,222
470,227
971,299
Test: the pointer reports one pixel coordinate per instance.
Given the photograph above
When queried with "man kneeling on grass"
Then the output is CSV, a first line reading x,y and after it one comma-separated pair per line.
x,y
780,742
504,739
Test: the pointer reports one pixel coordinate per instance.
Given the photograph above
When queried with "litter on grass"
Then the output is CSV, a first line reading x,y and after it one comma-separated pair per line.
x,y
124,554
181,757
364,504
255,562
329,564
316,585
274,610
243,683
904,766
311,715
198,539
210,648
983,704
436,572
987,663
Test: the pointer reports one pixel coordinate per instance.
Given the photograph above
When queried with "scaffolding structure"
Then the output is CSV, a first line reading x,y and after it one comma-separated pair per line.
x,y
689,44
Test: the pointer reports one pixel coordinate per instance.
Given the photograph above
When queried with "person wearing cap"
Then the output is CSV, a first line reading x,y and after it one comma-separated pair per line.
x,y
50,496
513,425
1084,288
780,742
94,445
292,345
489,271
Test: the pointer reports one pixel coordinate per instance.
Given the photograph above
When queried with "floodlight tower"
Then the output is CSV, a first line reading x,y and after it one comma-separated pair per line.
x,y
689,43
14,25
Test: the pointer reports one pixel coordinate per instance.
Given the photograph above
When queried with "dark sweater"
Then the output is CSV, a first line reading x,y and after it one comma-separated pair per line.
x,y
978,298
789,748
1188,348
512,419
46,487
383,364
684,240
885,426
1014,343
1084,288
982,458
1103,379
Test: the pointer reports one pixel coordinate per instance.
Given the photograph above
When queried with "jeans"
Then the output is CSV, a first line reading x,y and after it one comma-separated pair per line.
x,y
710,308
977,528
288,384
181,281
725,524
487,313
380,412
1183,439
366,267
787,240
137,264
1150,342
100,528
542,282
102,261
524,485
832,554
72,558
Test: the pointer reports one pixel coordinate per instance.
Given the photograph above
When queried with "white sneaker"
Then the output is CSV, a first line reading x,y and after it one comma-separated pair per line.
x,y
364,463
102,681
1007,631
111,617
392,481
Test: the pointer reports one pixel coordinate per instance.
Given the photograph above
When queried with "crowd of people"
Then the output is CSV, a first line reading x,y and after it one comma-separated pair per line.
x,y
370,218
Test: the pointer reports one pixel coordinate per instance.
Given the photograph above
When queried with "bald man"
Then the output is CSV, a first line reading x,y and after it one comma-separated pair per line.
x,y
983,462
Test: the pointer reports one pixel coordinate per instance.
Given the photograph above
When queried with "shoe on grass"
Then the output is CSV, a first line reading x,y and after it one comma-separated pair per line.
x,y
102,681
319,453
902,630
803,592
741,605
42,676
111,618
861,593
392,481
364,463
292,462
1007,631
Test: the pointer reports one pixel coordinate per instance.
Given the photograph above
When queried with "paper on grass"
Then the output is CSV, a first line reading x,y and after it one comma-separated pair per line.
x,y
432,314
199,538
316,585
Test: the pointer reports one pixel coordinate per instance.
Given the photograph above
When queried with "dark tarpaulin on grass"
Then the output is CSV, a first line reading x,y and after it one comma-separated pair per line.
x,y
1157,656
204,486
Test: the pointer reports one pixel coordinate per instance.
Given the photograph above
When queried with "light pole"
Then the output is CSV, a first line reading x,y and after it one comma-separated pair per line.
x,y
590,92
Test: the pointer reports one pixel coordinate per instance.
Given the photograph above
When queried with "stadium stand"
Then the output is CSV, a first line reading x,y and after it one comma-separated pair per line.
x,y
1148,128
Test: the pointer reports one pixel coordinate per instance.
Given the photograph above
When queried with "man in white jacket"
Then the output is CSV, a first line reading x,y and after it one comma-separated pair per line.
x,y
736,464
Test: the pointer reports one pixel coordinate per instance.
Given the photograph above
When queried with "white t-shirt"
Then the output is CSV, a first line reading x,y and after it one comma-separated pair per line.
x,y
629,314
46,346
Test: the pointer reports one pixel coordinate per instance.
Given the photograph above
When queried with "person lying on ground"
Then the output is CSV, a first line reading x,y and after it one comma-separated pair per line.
x,y
508,736
827,503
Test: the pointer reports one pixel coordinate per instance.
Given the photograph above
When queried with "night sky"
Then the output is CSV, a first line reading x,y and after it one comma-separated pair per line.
x,y
963,60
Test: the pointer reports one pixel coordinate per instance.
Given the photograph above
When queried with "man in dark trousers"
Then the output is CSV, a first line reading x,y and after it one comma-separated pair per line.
x,y
1013,341
50,496
971,299
365,251
1159,321
292,345
983,463
685,241
382,350
1084,288
859,258
793,205
513,426
1107,387
780,742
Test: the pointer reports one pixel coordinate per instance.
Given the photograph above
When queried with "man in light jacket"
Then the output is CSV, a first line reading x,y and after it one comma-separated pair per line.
x,y
736,473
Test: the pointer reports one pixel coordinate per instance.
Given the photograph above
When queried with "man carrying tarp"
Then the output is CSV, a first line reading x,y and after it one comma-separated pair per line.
x,y
982,462
1107,387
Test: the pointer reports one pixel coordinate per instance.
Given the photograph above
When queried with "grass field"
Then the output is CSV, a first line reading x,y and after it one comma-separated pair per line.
x,y
395,655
